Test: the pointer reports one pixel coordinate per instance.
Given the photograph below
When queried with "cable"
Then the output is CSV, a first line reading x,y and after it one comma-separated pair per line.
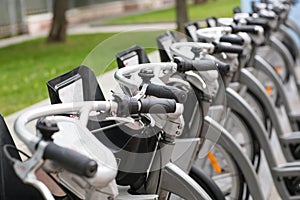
x,y
11,159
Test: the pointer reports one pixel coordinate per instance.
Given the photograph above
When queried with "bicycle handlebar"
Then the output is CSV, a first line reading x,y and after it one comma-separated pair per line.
x,y
222,34
247,29
200,65
157,105
232,39
120,73
219,48
70,160
258,21
32,140
128,105
179,65
165,91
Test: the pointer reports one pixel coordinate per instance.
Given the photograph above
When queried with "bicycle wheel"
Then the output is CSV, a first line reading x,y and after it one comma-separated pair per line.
x,y
229,178
255,105
241,133
206,183
273,57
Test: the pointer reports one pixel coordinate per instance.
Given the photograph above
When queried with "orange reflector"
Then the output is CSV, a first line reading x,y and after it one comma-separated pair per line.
x,y
214,162
269,90
278,69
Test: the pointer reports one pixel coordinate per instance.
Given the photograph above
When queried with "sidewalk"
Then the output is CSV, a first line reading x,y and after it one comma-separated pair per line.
x,y
86,28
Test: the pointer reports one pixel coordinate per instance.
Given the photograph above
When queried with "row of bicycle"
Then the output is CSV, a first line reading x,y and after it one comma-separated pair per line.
x,y
192,126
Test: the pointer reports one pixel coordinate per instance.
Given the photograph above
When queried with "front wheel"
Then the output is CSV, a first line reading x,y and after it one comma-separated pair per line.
x,y
206,183
228,177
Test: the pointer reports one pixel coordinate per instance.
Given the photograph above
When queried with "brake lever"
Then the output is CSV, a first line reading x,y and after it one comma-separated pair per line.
x,y
121,119
142,92
26,170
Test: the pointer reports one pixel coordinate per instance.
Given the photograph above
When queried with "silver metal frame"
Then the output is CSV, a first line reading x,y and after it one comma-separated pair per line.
x,y
261,64
257,88
277,172
228,142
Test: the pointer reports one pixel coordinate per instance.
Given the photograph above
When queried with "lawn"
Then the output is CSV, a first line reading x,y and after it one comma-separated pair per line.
x,y
26,67
217,8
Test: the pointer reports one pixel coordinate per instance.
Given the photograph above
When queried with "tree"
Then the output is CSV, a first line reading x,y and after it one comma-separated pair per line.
x,y
181,14
58,29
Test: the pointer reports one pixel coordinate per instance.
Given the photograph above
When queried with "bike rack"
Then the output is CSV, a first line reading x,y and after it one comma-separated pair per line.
x,y
211,129
261,64
256,88
279,172
285,55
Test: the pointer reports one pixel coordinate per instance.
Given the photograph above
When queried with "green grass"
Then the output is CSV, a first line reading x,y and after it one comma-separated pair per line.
x,y
26,67
217,8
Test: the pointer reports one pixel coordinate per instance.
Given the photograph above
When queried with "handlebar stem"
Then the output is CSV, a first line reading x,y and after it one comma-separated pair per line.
x,y
120,74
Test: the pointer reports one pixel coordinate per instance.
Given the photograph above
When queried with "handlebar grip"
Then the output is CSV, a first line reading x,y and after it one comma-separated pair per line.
x,y
232,39
246,29
184,65
70,160
157,105
222,67
227,48
259,21
201,65
165,91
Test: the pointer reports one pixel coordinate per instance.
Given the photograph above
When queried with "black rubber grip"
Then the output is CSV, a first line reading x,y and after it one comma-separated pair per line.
x,y
246,29
184,65
219,48
157,105
165,91
70,160
232,39
258,21
133,105
222,67
201,65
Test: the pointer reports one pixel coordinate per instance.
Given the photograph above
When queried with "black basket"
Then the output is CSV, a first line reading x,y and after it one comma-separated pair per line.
x,y
164,41
124,142
11,186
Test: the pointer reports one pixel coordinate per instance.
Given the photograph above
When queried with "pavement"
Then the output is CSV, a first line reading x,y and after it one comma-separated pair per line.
x,y
264,173
88,28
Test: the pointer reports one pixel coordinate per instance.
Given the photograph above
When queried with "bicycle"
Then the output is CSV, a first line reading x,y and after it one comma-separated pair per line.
x,y
134,53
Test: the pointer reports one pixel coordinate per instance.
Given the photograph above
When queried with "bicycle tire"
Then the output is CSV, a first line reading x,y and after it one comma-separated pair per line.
x,y
206,183
232,185
254,145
